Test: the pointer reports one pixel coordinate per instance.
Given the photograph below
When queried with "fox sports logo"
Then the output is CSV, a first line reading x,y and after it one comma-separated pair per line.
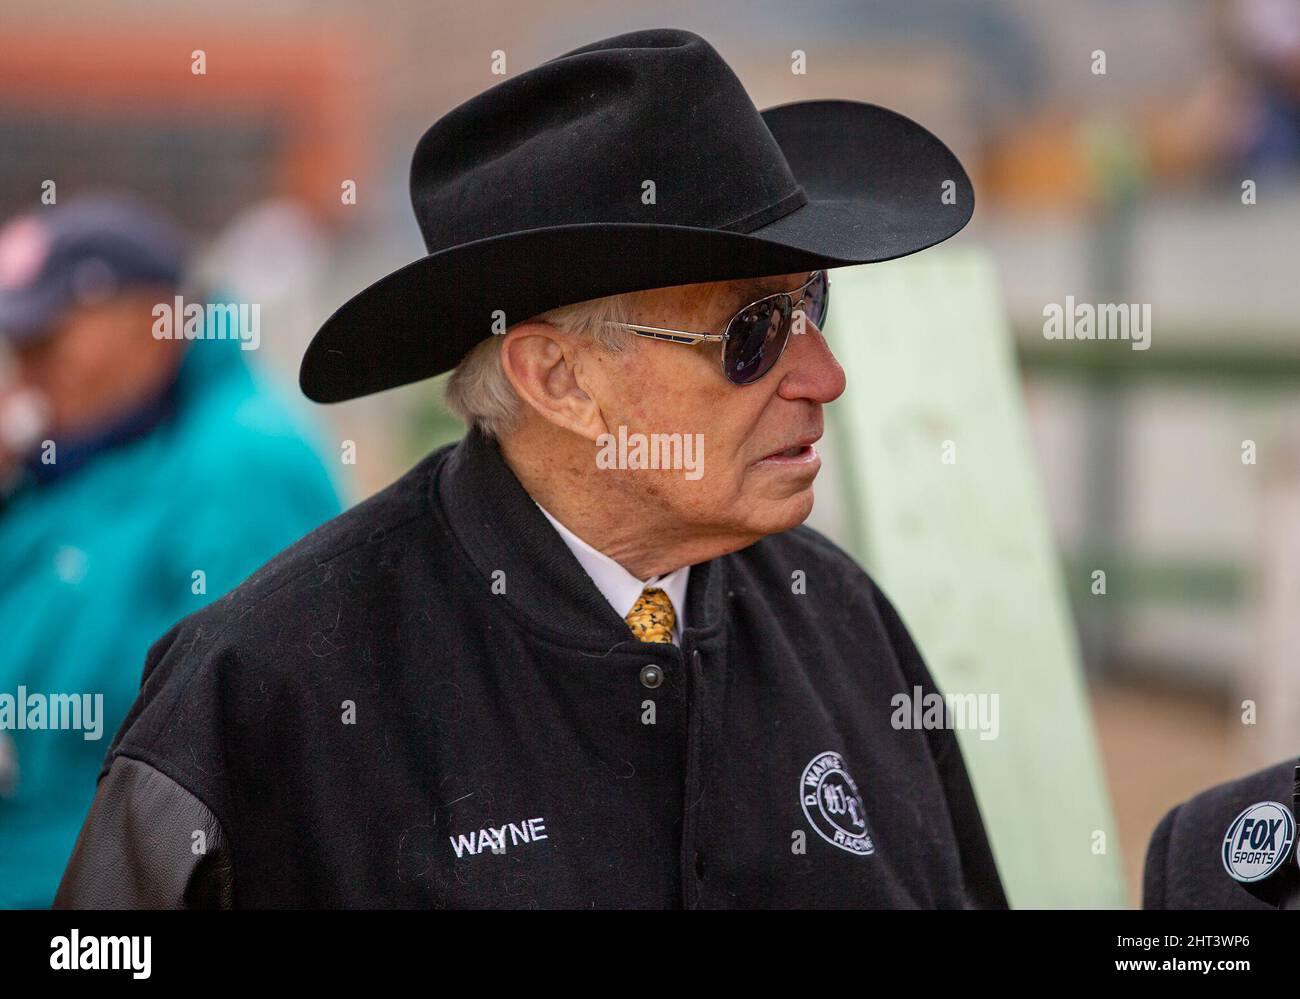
x,y
1259,841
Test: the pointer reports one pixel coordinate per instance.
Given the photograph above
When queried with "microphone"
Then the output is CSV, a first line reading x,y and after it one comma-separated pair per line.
x,y
1279,885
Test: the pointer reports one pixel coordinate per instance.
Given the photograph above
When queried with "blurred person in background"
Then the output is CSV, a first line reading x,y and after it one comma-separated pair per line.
x,y
140,477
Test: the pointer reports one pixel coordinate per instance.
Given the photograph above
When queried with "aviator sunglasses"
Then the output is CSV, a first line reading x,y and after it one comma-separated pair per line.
x,y
756,336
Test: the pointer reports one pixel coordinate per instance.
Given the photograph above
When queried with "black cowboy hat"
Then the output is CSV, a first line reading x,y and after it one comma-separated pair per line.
x,y
631,163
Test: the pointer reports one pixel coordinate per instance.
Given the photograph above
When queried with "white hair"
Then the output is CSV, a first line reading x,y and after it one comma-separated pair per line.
x,y
480,394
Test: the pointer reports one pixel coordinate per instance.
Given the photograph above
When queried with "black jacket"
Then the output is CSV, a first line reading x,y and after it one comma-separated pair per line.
x,y
427,703
1184,864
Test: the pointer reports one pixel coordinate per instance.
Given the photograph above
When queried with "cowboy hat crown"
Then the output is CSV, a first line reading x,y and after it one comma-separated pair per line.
x,y
579,138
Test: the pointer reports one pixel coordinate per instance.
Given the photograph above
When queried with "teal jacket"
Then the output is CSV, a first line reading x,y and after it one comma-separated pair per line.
x,y
98,562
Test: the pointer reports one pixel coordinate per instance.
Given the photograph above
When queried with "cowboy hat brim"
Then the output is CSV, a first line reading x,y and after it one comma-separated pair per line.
x,y
879,186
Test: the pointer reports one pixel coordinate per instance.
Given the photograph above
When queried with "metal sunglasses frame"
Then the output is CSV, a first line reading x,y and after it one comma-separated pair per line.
x,y
691,338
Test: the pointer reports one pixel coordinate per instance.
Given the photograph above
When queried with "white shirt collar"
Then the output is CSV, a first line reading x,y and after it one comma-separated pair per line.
x,y
619,586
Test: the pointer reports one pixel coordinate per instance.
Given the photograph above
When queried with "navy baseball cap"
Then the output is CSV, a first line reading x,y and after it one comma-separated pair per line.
x,y
83,252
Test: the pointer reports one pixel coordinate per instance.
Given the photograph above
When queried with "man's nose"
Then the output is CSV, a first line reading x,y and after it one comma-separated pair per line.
x,y
808,369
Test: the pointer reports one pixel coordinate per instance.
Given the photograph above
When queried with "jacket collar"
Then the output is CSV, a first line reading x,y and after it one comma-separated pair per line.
x,y
499,529
620,588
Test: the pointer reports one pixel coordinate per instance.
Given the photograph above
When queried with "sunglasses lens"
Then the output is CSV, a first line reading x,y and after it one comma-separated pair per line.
x,y
755,340
816,298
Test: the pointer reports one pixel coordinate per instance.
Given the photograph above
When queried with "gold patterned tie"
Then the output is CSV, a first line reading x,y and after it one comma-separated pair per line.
x,y
652,616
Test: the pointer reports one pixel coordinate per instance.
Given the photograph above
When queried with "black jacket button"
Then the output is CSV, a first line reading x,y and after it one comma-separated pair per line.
x,y
651,676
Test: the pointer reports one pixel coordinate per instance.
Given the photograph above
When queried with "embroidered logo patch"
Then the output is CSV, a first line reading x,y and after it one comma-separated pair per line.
x,y
832,805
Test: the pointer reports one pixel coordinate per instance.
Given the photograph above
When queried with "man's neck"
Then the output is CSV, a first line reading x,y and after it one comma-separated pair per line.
x,y
558,471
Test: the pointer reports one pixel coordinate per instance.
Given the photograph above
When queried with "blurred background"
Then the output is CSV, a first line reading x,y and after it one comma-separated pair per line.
x,y
1115,187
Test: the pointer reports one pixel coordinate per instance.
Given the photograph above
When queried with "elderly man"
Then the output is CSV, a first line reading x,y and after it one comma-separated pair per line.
x,y
587,657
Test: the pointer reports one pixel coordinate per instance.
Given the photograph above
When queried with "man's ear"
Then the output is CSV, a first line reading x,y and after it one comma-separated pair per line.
x,y
544,366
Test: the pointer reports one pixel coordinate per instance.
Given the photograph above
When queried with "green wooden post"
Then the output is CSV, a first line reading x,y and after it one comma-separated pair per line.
x,y
963,548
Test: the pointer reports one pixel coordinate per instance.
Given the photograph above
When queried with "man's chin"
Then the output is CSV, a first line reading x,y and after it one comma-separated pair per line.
x,y
785,514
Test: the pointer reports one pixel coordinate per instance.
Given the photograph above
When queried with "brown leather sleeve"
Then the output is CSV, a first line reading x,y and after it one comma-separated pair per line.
x,y
140,849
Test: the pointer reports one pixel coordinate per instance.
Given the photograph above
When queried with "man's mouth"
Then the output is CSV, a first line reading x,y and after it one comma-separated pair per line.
x,y
801,452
